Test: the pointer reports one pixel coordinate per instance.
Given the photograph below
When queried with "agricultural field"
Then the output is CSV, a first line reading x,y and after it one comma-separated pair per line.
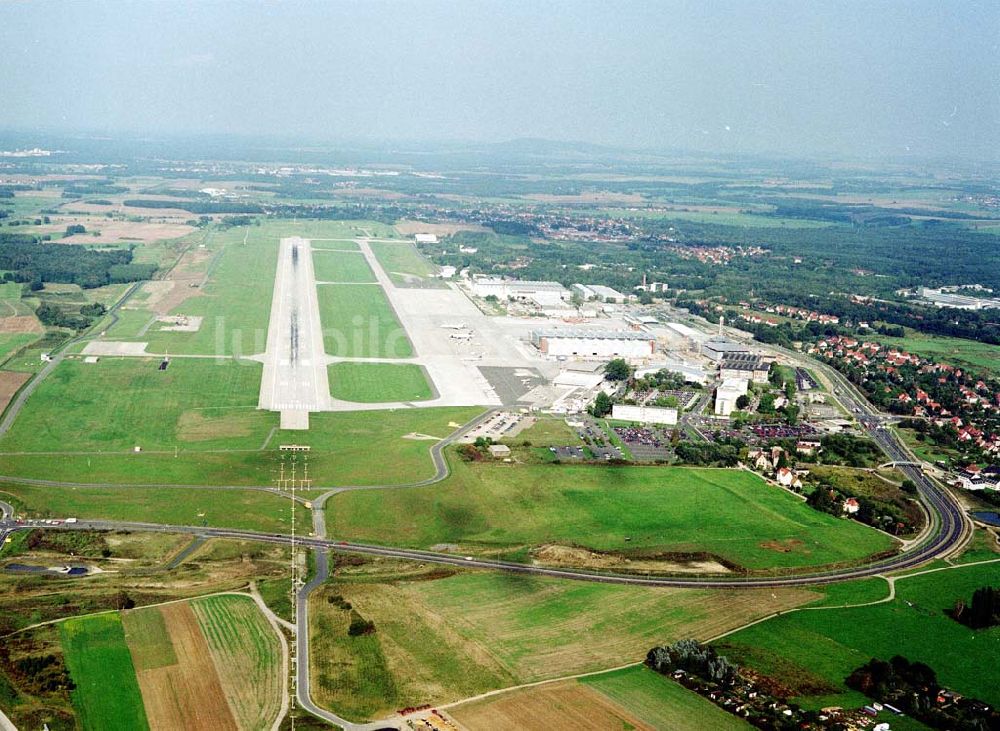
x,y
98,658
660,702
404,264
440,637
341,267
374,382
565,706
646,510
247,509
115,405
358,322
812,652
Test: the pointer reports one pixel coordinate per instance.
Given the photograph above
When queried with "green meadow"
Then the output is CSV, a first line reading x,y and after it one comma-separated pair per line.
x,y
730,514
375,382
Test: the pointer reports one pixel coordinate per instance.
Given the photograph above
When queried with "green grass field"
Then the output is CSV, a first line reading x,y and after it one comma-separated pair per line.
x,y
339,245
247,509
130,324
10,342
235,303
358,322
118,404
661,702
248,655
374,382
342,446
341,266
532,628
404,264
348,674
148,639
99,661
728,513
957,351
814,651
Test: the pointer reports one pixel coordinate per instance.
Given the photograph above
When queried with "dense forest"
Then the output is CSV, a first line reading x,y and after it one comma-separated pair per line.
x,y
33,262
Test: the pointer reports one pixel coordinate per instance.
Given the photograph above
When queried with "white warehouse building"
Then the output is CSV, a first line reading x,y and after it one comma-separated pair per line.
x,y
727,393
542,293
594,343
644,414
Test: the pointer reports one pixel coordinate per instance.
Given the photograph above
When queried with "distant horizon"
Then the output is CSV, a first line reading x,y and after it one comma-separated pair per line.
x,y
800,79
43,138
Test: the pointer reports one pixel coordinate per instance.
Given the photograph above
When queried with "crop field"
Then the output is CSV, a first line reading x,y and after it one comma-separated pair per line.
x,y
730,514
247,509
10,382
247,655
404,264
662,703
812,652
566,706
449,638
176,672
99,659
341,266
118,404
358,322
374,382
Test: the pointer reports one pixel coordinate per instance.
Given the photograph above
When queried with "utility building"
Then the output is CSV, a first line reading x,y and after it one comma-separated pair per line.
x,y
717,348
727,394
594,343
744,365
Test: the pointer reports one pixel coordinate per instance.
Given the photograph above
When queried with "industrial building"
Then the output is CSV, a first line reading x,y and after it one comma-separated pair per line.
x,y
544,294
599,292
744,365
644,414
594,343
727,393
718,347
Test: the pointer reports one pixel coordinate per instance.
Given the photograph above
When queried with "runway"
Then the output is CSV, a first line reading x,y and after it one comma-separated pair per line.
x,y
295,378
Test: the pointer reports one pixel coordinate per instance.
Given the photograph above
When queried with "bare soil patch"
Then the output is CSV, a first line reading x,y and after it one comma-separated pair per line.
x,y
185,281
20,324
408,228
786,546
188,694
194,426
9,383
556,555
569,705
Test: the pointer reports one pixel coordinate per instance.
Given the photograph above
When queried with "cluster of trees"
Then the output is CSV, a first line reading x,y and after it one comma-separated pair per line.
x,y
55,316
982,612
913,688
197,206
849,451
34,262
722,453
693,657
75,228
37,674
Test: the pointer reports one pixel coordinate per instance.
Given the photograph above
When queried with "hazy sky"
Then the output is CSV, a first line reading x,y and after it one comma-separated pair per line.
x,y
860,79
